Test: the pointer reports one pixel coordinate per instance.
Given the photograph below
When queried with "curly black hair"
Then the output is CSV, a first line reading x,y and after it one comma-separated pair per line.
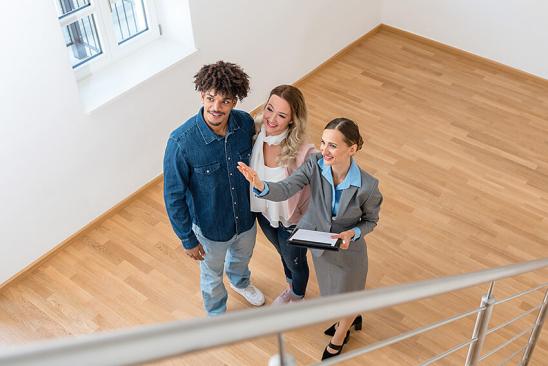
x,y
225,78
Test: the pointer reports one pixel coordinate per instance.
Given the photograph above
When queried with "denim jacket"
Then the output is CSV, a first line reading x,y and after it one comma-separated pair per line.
x,y
201,183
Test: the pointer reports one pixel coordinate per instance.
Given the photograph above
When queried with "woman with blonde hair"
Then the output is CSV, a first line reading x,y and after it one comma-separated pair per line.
x,y
279,149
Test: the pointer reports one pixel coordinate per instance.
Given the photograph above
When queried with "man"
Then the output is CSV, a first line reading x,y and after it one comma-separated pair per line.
x,y
207,200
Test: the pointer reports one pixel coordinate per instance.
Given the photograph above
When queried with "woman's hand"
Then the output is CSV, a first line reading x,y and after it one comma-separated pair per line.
x,y
346,237
251,176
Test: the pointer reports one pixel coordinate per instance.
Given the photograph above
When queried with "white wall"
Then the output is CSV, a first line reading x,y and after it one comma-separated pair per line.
x,y
61,168
512,32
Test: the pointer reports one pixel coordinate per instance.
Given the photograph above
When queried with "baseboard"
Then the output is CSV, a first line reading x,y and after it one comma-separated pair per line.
x,y
258,109
462,53
83,230
338,55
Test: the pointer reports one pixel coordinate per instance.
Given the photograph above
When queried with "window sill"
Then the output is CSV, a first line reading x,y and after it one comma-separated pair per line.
x,y
111,82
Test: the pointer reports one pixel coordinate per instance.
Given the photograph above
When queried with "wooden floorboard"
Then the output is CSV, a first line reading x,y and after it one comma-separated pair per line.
x,y
461,150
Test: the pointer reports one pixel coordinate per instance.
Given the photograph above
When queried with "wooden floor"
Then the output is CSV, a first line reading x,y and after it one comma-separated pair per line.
x,y
461,151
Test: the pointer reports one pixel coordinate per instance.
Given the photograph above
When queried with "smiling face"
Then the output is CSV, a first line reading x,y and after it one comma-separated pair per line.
x,y
334,149
276,115
217,108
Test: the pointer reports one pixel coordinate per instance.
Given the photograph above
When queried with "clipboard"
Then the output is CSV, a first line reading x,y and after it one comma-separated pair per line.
x,y
314,239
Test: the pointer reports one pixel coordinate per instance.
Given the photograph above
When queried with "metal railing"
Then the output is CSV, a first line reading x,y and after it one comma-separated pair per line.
x,y
155,342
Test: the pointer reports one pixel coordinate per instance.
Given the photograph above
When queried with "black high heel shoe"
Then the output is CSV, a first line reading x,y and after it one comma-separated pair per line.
x,y
326,354
357,324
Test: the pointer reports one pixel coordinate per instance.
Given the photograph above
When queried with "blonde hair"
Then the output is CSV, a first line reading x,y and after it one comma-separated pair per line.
x,y
297,126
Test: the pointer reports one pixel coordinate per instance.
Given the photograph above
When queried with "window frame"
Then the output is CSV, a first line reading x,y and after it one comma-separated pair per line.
x,y
111,50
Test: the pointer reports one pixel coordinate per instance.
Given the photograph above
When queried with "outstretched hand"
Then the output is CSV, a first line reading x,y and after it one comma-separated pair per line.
x,y
251,176
346,237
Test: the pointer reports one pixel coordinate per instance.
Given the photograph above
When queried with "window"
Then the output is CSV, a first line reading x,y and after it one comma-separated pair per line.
x,y
115,45
97,32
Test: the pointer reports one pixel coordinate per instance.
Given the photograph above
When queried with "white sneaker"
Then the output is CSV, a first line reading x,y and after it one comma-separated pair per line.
x,y
285,297
251,293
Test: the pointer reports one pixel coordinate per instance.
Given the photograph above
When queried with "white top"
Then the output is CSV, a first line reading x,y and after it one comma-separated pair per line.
x,y
274,212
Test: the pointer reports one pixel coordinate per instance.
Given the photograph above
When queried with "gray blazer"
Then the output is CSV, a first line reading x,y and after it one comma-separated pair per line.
x,y
358,207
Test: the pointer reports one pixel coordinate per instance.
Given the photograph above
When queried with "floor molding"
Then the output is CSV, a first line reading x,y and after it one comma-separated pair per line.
x,y
120,205
318,68
463,53
338,54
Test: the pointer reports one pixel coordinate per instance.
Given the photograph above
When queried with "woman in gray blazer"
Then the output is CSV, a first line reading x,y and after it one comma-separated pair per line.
x,y
345,200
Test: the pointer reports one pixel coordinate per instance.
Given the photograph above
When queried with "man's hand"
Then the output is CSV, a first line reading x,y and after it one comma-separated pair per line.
x,y
346,237
196,253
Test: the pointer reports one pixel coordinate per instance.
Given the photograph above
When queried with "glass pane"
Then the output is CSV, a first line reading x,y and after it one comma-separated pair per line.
x,y
129,18
82,40
68,6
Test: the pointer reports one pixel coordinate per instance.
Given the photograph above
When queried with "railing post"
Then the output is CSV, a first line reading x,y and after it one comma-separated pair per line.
x,y
535,332
282,358
481,327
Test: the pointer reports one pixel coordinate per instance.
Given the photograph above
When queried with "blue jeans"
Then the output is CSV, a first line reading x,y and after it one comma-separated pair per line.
x,y
231,256
293,257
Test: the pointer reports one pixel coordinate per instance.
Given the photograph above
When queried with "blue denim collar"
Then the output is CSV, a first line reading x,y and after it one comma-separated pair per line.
x,y
353,177
208,135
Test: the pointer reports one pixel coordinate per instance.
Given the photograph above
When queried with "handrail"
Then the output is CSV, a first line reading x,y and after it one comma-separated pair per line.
x,y
153,342
509,358
519,294
513,320
506,343
398,338
446,353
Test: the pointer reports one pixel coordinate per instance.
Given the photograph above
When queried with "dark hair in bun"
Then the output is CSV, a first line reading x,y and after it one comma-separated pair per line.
x,y
349,129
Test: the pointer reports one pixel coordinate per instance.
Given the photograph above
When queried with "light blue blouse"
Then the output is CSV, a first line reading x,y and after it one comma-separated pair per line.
x,y
353,178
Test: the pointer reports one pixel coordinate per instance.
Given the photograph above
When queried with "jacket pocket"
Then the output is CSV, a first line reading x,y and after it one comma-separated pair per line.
x,y
208,169
245,156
